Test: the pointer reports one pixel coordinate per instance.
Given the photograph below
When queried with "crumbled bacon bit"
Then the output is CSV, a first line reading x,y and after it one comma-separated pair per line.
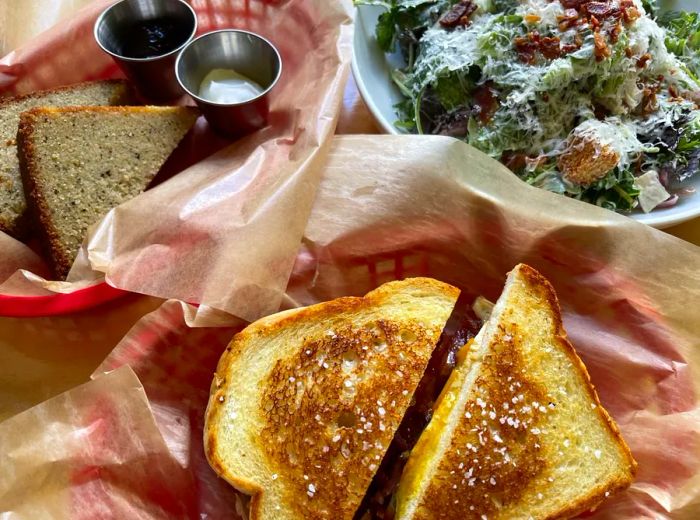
x,y
458,15
615,32
673,91
526,49
601,10
568,48
649,103
628,52
642,62
485,100
572,4
593,13
514,161
569,19
549,47
528,46
630,13
602,50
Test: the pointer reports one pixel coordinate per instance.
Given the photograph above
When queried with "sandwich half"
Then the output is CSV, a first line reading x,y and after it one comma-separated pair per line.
x,y
305,403
518,431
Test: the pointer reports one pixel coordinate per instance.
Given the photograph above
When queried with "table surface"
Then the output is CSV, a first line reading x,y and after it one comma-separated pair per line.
x,y
23,20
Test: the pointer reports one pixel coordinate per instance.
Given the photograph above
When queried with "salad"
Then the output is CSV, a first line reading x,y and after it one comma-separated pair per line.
x,y
596,100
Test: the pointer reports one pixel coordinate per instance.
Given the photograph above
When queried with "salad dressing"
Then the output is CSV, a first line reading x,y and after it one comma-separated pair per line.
x,y
228,86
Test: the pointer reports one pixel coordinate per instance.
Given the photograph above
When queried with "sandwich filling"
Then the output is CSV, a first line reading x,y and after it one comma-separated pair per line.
x,y
462,326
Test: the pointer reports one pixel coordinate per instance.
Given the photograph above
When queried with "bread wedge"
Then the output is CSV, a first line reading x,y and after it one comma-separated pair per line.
x,y
304,403
519,432
77,163
13,217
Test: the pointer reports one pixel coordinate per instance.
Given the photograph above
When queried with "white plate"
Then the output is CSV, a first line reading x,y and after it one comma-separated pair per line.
x,y
372,71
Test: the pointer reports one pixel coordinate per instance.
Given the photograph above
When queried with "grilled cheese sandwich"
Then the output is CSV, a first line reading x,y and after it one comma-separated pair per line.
x,y
322,413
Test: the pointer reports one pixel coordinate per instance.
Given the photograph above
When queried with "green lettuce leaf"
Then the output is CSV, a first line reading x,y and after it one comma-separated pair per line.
x,y
683,37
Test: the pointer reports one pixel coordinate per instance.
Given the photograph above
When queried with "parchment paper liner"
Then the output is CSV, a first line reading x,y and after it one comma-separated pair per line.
x,y
394,206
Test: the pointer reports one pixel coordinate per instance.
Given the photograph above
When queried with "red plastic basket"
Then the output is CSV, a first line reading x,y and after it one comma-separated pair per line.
x,y
58,303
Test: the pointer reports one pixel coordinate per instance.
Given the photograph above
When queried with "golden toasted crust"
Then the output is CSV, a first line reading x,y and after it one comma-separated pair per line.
x,y
328,408
124,94
47,233
495,466
505,451
586,160
595,497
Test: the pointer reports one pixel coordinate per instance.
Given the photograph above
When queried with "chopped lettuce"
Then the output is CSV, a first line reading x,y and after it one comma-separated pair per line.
x,y
651,7
683,38
404,20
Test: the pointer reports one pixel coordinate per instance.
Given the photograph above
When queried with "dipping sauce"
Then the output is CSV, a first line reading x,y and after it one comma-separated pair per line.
x,y
154,37
228,86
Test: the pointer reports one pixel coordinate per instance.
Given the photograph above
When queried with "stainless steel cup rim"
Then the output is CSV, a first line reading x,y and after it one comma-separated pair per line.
x,y
214,103
104,13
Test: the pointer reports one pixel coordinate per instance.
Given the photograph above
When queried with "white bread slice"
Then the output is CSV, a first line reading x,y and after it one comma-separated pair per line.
x,y
519,432
305,403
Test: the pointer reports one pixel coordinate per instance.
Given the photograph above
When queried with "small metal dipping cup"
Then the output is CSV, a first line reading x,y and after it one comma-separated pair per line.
x,y
153,75
248,54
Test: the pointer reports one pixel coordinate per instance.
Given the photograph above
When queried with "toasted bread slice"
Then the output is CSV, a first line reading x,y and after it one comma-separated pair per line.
x,y
13,218
305,403
77,163
519,432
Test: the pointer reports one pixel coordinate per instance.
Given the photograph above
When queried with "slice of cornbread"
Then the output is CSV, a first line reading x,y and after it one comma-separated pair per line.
x,y
13,217
79,162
